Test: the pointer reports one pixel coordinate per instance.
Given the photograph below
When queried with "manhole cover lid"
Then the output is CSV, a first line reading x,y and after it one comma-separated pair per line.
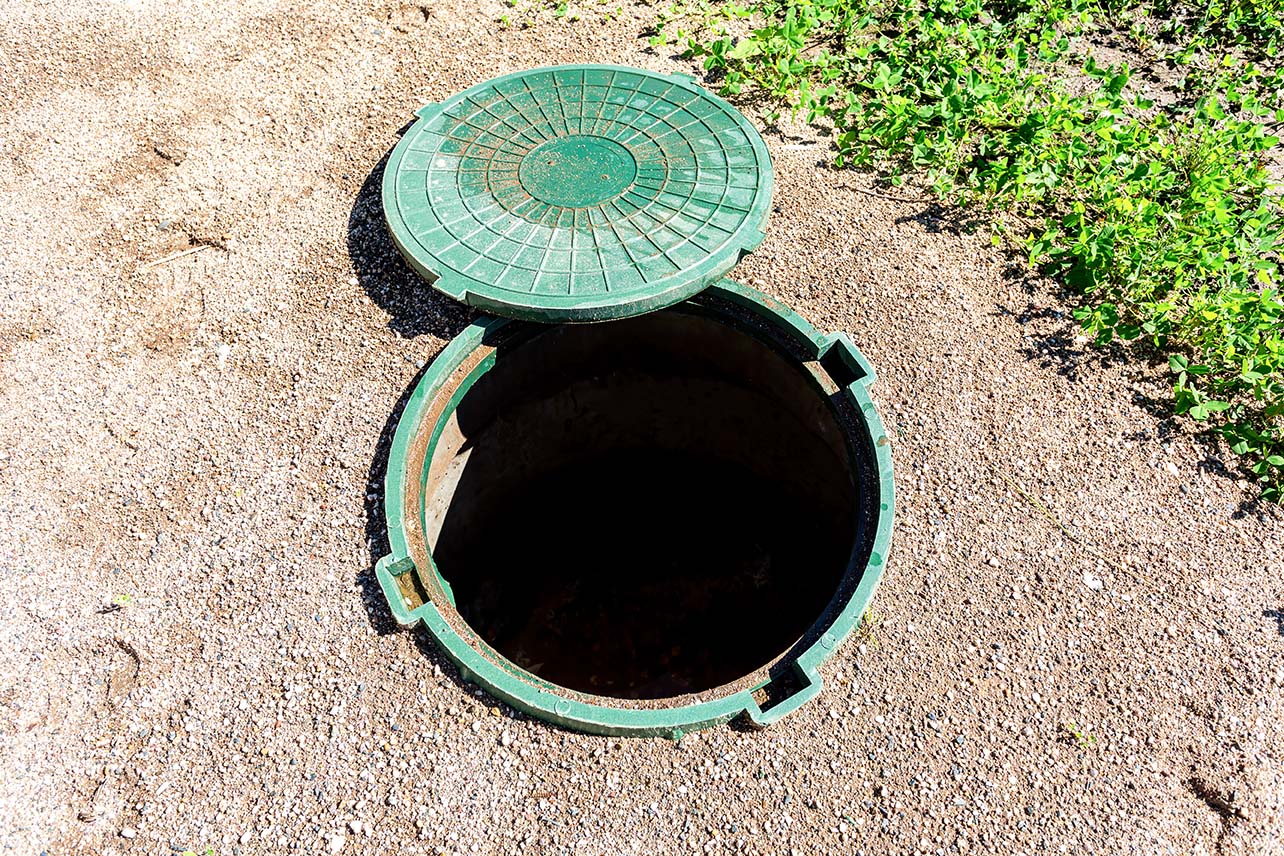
x,y
577,193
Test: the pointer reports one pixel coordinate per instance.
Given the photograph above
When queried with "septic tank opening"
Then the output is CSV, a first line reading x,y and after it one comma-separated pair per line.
x,y
641,508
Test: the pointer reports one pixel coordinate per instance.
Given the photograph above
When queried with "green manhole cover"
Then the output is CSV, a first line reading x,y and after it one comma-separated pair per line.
x,y
577,193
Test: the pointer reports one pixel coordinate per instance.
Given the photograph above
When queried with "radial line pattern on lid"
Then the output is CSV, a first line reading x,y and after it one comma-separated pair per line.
x,y
578,192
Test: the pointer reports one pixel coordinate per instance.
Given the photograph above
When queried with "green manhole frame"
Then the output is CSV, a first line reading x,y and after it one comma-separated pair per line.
x,y
551,308
404,585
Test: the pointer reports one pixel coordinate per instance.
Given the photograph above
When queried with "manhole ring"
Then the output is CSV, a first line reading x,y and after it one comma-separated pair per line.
x,y
441,431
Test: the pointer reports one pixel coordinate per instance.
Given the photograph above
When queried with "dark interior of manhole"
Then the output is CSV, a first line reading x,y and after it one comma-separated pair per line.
x,y
643,508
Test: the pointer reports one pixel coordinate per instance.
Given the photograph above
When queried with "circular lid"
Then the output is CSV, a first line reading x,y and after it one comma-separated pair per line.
x,y
577,193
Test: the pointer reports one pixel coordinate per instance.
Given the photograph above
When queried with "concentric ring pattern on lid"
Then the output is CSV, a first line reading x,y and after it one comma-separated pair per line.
x,y
577,193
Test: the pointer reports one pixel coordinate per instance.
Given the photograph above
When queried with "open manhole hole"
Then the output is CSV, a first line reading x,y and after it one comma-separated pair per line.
x,y
648,524
645,525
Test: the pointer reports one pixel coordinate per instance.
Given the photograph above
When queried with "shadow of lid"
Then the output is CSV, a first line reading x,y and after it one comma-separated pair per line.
x,y
413,306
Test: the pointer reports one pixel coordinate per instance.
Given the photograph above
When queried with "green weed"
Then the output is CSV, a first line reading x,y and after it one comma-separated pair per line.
x,y
527,12
1080,736
866,632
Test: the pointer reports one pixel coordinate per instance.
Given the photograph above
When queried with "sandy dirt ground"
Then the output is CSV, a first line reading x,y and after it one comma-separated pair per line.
x,y
194,655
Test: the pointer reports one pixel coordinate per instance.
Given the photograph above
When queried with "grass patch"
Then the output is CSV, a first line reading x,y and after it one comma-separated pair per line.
x,y
1149,195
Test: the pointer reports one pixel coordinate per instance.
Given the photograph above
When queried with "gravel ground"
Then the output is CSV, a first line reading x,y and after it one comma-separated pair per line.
x,y
196,655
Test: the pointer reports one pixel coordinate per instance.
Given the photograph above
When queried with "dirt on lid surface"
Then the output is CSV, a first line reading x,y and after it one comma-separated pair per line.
x,y
205,335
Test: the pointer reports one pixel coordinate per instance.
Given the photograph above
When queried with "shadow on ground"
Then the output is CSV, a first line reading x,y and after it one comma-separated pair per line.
x,y
1054,348
414,307
935,217
377,611
1278,615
